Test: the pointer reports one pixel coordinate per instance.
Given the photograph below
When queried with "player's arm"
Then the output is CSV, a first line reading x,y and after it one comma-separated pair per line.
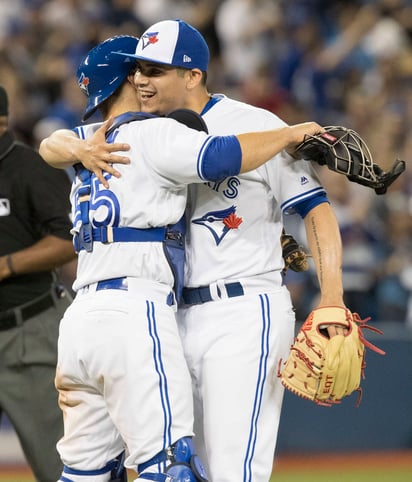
x,y
63,148
259,147
325,244
240,153
225,156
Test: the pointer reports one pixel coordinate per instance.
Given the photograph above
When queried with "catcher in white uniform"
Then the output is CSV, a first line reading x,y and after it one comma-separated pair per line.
x,y
121,374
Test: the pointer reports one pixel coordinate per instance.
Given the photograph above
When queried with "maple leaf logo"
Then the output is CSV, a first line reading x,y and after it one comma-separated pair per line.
x,y
149,38
153,39
232,221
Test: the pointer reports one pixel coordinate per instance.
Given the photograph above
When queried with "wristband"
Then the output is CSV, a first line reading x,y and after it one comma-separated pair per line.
x,y
9,263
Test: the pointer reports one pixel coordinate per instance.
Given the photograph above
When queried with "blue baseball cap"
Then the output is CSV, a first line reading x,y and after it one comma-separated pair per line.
x,y
175,43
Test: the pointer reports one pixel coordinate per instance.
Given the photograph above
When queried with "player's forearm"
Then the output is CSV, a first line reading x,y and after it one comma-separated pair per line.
x,y
258,147
325,244
62,149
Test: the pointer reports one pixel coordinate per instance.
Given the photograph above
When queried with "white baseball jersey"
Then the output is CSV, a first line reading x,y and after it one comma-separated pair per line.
x,y
235,224
121,373
165,157
233,344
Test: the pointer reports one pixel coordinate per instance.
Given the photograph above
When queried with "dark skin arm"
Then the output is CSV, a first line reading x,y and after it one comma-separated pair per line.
x,y
45,255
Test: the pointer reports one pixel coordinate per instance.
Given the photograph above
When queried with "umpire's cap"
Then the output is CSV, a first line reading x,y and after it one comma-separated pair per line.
x,y
4,102
175,43
101,73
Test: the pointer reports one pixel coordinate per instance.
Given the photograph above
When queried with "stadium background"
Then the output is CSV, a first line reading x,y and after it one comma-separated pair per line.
x,y
336,62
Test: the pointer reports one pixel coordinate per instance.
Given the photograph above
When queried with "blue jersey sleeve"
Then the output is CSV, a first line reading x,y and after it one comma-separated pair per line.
x,y
222,158
307,205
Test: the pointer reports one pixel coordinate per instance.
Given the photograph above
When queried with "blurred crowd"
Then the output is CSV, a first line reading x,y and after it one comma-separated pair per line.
x,y
337,62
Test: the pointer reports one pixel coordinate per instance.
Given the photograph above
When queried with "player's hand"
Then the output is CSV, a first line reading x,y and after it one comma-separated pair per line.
x,y
337,329
298,132
334,330
99,155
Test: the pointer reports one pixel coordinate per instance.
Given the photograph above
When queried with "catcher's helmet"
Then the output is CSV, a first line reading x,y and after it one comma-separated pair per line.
x,y
101,73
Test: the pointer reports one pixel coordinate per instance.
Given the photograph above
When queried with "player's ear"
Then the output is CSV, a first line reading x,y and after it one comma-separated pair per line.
x,y
194,78
131,74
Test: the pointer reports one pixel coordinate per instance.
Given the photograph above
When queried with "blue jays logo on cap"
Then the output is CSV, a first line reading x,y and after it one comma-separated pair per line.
x,y
149,38
84,83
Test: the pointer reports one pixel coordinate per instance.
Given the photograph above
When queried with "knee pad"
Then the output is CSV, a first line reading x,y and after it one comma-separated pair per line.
x,y
182,464
184,456
182,472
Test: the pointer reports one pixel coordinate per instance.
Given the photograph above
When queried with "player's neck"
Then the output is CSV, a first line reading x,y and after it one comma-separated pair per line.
x,y
125,100
121,107
197,102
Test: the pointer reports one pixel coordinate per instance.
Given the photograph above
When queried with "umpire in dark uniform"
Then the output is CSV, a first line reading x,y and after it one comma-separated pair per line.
x,y
34,240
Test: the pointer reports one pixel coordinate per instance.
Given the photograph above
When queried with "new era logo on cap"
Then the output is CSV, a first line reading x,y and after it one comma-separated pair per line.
x,y
174,42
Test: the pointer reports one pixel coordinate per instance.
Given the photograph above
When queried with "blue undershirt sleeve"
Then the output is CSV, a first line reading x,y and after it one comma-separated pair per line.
x,y
221,158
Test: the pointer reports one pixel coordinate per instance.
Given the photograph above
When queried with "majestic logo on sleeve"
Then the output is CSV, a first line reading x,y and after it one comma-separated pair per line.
x,y
219,223
149,38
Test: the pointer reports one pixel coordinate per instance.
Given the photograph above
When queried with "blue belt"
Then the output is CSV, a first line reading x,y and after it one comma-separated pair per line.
x,y
194,296
121,284
107,234
113,284
128,234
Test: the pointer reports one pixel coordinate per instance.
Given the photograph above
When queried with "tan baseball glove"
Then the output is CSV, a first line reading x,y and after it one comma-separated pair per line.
x,y
324,369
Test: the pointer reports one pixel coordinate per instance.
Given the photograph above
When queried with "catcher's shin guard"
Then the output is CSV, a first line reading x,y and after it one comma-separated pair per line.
x,y
182,464
115,467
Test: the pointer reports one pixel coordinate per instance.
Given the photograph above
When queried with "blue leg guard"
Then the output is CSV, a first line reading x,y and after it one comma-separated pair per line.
x,y
181,472
182,464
